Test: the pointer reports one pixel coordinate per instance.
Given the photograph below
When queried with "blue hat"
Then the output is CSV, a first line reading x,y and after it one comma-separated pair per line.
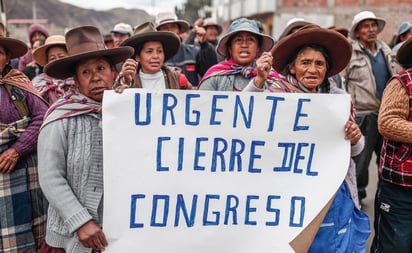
x,y
403,28
244,25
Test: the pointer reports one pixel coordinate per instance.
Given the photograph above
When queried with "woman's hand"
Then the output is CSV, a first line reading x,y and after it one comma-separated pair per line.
x,y
8,160
129,70
121,88
352,131
263,66
92,236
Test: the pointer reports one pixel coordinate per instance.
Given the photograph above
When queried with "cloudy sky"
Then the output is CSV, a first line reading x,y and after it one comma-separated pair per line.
x,y
151,6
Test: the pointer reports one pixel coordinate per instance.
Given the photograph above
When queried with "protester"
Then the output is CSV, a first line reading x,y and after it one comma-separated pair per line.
x,y
22,204
121,32
35,32
193,61
393,200
33,69
244,49
211,28
146,70
306,59
365,79
292,26
70,144
50,88
403,34
108,40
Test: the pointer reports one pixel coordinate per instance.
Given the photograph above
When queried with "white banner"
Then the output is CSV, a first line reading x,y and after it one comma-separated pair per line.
x,y
190,171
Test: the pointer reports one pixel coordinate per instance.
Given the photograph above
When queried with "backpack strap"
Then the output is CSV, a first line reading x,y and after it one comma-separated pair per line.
x,y
19,100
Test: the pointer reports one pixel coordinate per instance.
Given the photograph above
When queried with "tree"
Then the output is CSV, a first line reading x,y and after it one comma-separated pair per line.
x,y
194,9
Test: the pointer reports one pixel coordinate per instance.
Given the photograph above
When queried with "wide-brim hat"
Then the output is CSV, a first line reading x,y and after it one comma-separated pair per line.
x,y
403,28
403,56
244,25
292,24
147,32
82,43
337,47
364,15
212,22
15,47
40,53
167,17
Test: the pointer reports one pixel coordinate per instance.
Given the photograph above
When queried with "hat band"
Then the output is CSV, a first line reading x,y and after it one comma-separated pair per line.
x,y
167,20
85,47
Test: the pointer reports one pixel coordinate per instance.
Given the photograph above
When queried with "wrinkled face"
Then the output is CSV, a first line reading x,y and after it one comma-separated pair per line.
x,y
118,38
4,58
54,53
151,57
212,33
93,76
367,31
243,48
309,68
170,27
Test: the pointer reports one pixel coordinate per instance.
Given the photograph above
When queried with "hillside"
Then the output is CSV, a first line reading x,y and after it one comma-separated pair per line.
x,y
62,16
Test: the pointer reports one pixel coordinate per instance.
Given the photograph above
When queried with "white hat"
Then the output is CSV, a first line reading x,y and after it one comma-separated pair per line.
x,y
293,24
168,17
364,15
122,28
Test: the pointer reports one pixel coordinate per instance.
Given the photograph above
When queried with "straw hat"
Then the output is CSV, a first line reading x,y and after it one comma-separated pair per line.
x,y
82,43
147,32
404,53
39,54
335,44
15,47
212,22
244,25
169,17
364,15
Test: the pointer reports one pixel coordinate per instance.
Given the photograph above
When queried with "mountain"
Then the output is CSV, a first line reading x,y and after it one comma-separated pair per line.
x,y
63,16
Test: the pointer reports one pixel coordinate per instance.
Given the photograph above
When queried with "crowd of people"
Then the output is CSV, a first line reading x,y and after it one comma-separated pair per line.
x,y
51,157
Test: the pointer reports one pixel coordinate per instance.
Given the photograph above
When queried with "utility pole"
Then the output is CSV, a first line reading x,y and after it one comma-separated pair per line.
x,y
34,10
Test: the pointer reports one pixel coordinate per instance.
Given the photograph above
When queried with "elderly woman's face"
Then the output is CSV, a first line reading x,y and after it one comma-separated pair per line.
x,y
4,58
309,68
151,57
243,48
93,76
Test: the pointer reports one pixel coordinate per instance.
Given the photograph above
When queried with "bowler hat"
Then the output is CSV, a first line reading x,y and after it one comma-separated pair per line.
x,y
39,54
337,47
404,54
364,15
82,43
15,47
147,32
168,17
244,25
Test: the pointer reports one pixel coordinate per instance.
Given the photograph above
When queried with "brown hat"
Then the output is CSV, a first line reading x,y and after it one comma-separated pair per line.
x,y
404,54
335,44
39,54
147,32
82,43
16,48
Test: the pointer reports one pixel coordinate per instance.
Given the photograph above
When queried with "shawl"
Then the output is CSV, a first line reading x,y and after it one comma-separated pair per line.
x,y
229,67
72,105
52,88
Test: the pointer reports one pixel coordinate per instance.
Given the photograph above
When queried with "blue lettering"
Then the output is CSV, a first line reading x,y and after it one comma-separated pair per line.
x,y
180,153
181,205
134,198
215,109
216,214
272,117
231,208
199,153
219,153
299,114
196,113
247,119
156,199
286,166
137,115
254,156
235,154
269,208
168,97
159,153
299,210
250,209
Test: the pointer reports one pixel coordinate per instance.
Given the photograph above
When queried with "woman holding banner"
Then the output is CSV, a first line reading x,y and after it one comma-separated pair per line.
x,y
306,59
70,144
245,50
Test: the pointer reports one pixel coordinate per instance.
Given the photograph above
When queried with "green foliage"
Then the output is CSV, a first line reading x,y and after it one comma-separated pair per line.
x,y
194,9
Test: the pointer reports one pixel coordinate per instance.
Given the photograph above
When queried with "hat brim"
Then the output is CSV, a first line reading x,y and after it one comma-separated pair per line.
x,y
381,24
39,54
267,42
294,25
335,44
121,32
65,67
403,56
169,40
219,28
184,26
15,48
